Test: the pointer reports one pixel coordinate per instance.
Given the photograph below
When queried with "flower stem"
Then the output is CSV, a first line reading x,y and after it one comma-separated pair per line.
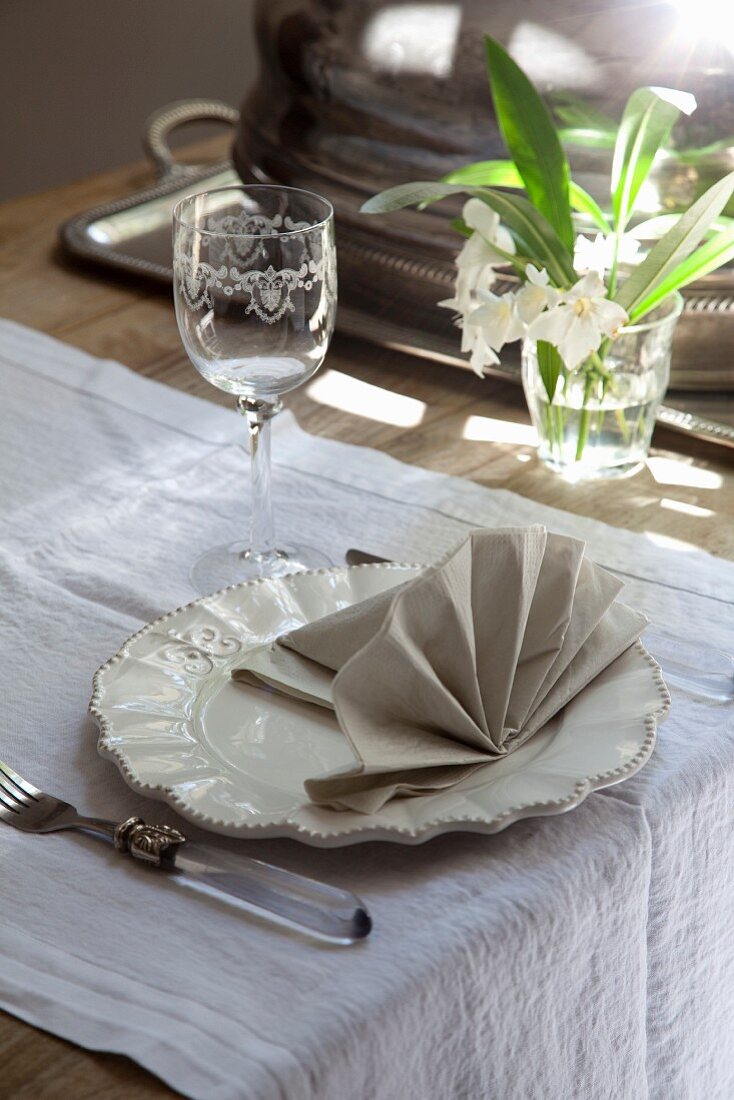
x,y
584,417
622,424
597,359
602,411
560,426
549,426
612,281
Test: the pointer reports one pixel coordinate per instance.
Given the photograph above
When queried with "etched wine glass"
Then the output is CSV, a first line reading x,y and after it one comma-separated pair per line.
x,y
255,290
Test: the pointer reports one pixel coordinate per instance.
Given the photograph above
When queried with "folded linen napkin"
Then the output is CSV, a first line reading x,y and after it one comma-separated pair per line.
x,y
456,668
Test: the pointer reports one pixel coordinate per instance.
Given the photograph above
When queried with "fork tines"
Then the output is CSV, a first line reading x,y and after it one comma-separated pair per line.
x,y
15,792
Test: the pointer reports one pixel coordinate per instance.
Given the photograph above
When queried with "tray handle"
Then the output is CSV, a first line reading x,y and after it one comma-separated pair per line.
x,y
160,124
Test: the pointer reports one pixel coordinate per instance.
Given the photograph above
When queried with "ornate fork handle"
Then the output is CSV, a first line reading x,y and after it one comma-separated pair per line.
x,y
154,844
294,900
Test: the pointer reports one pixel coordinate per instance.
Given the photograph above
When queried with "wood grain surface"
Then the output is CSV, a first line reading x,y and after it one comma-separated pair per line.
x,y
467,427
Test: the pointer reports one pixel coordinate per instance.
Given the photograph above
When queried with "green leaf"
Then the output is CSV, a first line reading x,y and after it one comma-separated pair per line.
x,y
677,244
652,229
696,155
583,202
550,366
487,173
503,173
586,137
532,140
461,227
718,250
410,194
571,110
513,259
648,118
534,236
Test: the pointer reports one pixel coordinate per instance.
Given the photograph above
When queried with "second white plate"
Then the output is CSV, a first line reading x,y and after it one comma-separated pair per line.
x,y
233,759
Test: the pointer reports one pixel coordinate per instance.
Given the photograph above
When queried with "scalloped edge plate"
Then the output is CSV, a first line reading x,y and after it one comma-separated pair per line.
x,y
232,759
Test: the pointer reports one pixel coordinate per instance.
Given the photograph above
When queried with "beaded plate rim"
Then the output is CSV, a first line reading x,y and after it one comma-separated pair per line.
x,y
279,827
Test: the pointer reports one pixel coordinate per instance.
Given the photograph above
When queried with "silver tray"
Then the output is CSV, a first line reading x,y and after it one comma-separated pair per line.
x,y
133,235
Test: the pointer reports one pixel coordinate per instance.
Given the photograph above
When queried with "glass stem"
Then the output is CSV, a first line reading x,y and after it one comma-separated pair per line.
x,y
258,415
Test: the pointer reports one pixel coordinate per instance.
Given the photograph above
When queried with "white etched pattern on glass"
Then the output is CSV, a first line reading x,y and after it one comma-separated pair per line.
x,y
269,290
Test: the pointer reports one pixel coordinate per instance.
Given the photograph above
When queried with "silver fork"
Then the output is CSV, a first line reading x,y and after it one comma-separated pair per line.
x,y
292,900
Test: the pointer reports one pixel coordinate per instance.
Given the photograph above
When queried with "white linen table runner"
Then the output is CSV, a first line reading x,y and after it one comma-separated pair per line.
x,y
589,955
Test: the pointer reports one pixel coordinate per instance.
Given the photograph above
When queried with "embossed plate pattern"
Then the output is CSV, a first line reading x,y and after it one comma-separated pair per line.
x,y
233,758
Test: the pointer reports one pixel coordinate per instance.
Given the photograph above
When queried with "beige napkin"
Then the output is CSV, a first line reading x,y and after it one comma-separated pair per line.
x,y
456,668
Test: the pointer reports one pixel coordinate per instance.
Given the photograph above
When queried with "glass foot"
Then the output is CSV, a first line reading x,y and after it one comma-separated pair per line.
x,y
226,565
580,471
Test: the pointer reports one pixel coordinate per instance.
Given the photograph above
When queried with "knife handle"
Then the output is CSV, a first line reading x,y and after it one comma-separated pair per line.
x,y
291,899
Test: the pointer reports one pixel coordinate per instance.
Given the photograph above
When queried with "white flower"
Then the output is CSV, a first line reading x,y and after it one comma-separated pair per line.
x,y
579,324
478,258
535,295
597,255
497,317
482,355
486,221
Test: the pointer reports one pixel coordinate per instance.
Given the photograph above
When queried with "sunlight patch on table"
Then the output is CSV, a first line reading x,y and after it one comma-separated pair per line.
x,y
487,429
685,508
672,471
351,395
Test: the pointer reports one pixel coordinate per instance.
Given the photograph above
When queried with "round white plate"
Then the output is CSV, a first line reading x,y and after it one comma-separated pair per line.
x,y
233,758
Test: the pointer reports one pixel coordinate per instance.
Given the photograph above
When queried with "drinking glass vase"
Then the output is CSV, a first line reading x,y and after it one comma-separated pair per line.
x,y
255,290
602,415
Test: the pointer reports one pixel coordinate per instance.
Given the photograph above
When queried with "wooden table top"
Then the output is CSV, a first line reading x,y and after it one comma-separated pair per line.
x,y
686,493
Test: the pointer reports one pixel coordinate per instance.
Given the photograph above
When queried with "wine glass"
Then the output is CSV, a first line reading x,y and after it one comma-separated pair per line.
x,y
254,275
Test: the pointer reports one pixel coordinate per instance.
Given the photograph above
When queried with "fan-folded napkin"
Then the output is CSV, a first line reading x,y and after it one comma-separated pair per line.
x,y
456,668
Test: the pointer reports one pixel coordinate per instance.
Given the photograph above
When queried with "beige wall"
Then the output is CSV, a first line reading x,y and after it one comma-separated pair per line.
x,y
78,77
